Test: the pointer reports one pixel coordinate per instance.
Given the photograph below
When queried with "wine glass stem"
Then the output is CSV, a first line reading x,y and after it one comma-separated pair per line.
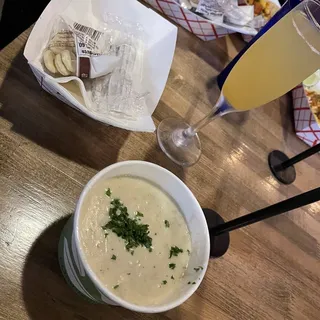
x,y
215,113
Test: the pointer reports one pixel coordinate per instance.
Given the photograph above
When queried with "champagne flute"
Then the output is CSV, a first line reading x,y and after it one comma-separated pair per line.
x,y
257,78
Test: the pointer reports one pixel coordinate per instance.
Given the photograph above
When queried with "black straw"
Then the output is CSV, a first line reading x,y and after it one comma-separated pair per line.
x,y
278,208
297,158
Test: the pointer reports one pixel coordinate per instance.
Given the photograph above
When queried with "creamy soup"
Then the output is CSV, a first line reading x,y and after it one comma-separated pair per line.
x,y
140,267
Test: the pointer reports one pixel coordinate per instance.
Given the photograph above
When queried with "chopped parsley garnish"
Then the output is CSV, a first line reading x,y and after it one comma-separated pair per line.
x,y
189,282
116,286
139,214
193,282
150,249
132,252
188,252
166,223
174,251
197,269
108,192
114,257
172,265
164,282
172,277
132,231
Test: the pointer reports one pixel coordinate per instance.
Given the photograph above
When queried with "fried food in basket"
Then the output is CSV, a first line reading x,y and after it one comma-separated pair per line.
x,y
263,7
314,102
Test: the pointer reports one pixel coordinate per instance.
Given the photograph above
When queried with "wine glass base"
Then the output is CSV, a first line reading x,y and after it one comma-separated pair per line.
x,y
181,149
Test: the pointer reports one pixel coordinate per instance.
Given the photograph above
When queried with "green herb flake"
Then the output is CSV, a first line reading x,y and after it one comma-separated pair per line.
x,y
139,214
193,282
166,223
128,274
188,252
150,249
132,252
133,232
108,192
197,269
164,282
172,277
114,257
116,286
174,251
189,282
172,265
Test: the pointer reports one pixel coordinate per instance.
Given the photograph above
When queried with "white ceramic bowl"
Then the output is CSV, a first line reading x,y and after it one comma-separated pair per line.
x,y
80,276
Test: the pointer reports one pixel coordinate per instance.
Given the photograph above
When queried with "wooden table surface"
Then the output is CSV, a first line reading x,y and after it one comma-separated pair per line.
x,y
48,152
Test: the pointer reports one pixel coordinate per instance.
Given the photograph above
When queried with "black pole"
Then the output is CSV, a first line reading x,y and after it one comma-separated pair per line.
x,y
297,158
276,209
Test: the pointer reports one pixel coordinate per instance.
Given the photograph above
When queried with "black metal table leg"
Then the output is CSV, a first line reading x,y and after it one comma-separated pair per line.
x,y
282,167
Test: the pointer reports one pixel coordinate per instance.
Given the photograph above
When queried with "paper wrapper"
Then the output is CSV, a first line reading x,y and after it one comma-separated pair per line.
x,y
307,125
197,25
160,45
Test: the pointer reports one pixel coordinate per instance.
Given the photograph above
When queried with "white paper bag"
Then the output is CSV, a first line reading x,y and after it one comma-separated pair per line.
x,y
160,44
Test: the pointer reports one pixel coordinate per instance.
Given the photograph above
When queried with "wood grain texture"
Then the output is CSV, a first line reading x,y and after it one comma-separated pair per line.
x,y
49,151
